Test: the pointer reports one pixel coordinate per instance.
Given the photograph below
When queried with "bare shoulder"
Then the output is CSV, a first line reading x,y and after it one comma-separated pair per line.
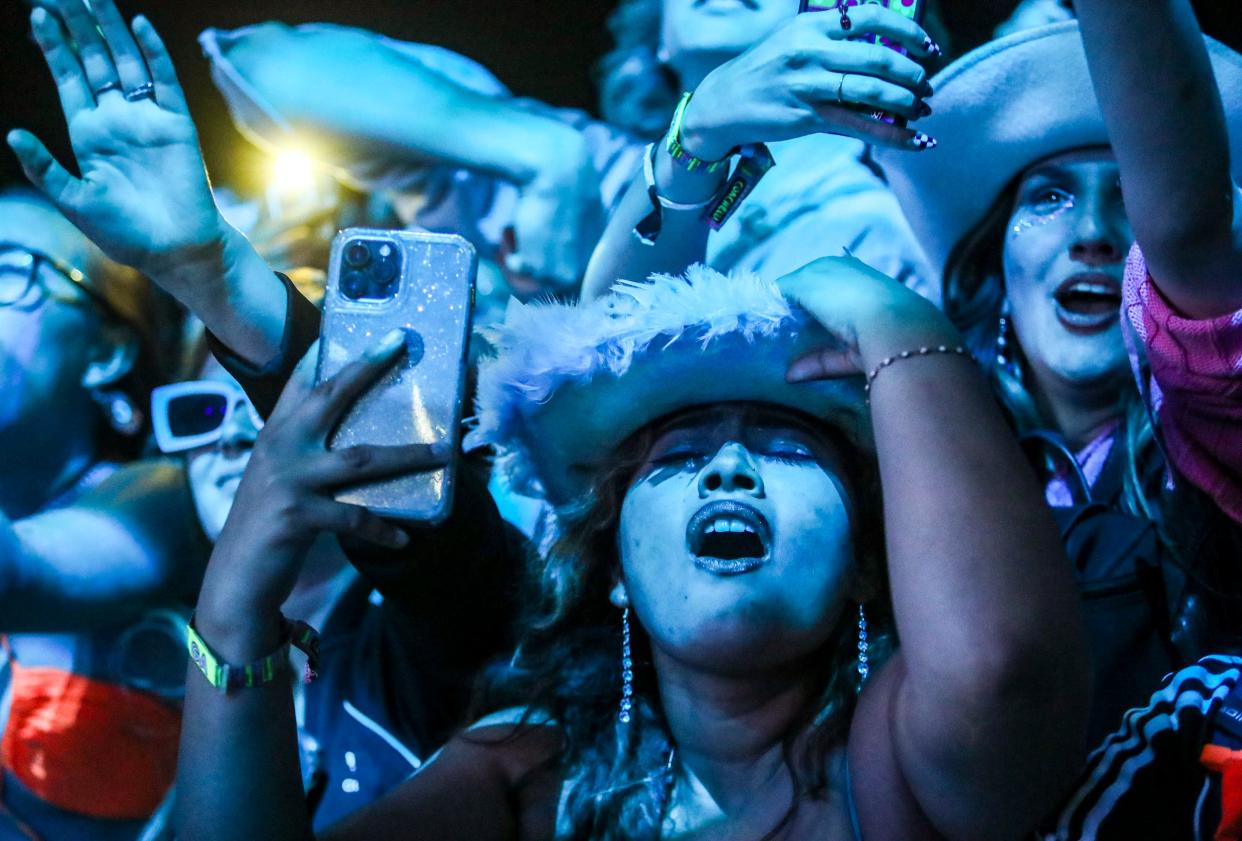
x,y
498,779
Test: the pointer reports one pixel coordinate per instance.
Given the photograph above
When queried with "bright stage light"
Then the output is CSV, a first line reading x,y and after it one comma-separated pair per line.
x,y
292,172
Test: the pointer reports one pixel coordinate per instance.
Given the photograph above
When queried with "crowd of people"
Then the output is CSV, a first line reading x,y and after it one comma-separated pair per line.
x,y
854,447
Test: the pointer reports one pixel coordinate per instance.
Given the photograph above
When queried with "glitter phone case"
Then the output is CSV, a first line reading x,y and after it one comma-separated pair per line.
x,y
912,9
423,283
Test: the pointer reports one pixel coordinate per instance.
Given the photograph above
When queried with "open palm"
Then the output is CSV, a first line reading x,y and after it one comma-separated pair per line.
x,y
143,195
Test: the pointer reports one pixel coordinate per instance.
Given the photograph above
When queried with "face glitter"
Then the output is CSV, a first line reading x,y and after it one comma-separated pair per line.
x,y
1031,218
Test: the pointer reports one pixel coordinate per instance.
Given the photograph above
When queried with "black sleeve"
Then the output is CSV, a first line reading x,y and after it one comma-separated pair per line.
x,y
451,601
264,385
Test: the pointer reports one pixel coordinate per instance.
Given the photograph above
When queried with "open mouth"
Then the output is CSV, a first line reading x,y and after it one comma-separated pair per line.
x,y
729,538
1089,303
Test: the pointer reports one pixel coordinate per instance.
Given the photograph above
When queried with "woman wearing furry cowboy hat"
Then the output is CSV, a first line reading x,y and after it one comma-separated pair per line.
x,y
1056,162
709,650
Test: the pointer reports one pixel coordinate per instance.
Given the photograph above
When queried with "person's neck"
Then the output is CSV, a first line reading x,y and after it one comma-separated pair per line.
x,y
730,731
32,477
1078,411
692,68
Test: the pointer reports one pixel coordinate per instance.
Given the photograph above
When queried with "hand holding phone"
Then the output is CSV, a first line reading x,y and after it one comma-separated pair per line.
x,y
912,9
422,284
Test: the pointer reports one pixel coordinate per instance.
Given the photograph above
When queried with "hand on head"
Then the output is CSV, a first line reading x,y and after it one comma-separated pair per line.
x,y
868,314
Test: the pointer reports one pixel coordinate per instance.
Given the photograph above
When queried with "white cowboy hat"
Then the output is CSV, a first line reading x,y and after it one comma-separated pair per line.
x,y
1007,105
571,382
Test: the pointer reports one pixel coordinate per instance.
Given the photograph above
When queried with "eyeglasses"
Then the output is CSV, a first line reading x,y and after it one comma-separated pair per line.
x,y
195,413
20,275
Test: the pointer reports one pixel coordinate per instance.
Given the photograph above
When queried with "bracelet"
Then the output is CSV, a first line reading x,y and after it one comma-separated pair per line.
x,y
225,676
754,160
906,354
680,153
648,228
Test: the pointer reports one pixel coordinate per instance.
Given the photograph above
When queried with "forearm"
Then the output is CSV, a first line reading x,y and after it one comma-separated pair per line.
x,y
1154,81
445,122
682,241
238,775
232,290
983,597
130,545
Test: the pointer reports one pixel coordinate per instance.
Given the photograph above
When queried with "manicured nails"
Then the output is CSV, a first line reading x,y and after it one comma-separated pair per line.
x,y
925,110
931,47
923,141
393,341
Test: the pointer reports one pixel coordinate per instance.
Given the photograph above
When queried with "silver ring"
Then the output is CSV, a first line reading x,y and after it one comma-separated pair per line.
x,y
110,86
840,85
144,91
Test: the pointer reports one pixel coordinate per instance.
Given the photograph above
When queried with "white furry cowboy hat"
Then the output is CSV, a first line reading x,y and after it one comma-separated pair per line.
x,y
1003,107
571,382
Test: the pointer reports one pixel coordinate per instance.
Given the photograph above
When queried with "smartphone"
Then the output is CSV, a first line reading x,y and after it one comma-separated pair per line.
x,y
912,9
422,283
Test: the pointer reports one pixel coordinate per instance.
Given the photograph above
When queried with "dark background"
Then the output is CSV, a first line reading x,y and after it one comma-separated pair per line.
x,y
538,48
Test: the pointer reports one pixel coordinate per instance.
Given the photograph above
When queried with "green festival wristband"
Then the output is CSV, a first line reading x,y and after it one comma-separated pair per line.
x,y
225,676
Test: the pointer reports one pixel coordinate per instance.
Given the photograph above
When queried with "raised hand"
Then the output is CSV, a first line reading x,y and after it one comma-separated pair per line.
x,y
142,195
808,77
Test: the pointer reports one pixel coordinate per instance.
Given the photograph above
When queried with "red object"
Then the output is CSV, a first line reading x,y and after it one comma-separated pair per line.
x,y
90,747
1227,763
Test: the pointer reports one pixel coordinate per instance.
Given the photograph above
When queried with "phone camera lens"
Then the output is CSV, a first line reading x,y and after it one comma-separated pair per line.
x,y
385,269
354,284
357,254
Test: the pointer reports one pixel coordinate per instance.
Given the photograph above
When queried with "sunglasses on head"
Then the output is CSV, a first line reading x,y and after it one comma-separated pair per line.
x,y
195,413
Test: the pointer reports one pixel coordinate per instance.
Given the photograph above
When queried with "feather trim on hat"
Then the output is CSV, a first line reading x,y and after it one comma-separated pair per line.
x,y
544,346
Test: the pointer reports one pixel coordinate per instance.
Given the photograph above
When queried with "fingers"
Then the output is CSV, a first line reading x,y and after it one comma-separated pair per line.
x,y
875,131
41,168
96,59
877,94
168,91
71,84
821,364
130,67
301,383
364,463
331,399
874,60
355,521
874,19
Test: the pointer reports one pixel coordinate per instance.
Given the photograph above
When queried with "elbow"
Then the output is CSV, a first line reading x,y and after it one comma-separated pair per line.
x,y
1045,674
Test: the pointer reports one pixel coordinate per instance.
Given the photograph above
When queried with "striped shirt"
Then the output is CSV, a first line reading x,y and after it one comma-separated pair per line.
x,y
1145,780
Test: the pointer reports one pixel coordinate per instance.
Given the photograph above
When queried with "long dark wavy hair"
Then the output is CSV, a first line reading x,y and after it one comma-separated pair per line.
x,y
567,665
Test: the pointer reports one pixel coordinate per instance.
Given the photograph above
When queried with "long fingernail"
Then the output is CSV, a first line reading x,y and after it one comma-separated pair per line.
x,y
924,141
393,341
925,110
931,47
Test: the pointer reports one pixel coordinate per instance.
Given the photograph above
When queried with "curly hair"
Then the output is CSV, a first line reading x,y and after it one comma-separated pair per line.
x,y
567,665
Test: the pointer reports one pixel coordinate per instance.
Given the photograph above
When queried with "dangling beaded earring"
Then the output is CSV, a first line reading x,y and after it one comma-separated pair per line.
x,y
864,665
627,669
1004,355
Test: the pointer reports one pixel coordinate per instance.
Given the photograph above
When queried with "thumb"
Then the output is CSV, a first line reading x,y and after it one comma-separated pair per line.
x,y
40,167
